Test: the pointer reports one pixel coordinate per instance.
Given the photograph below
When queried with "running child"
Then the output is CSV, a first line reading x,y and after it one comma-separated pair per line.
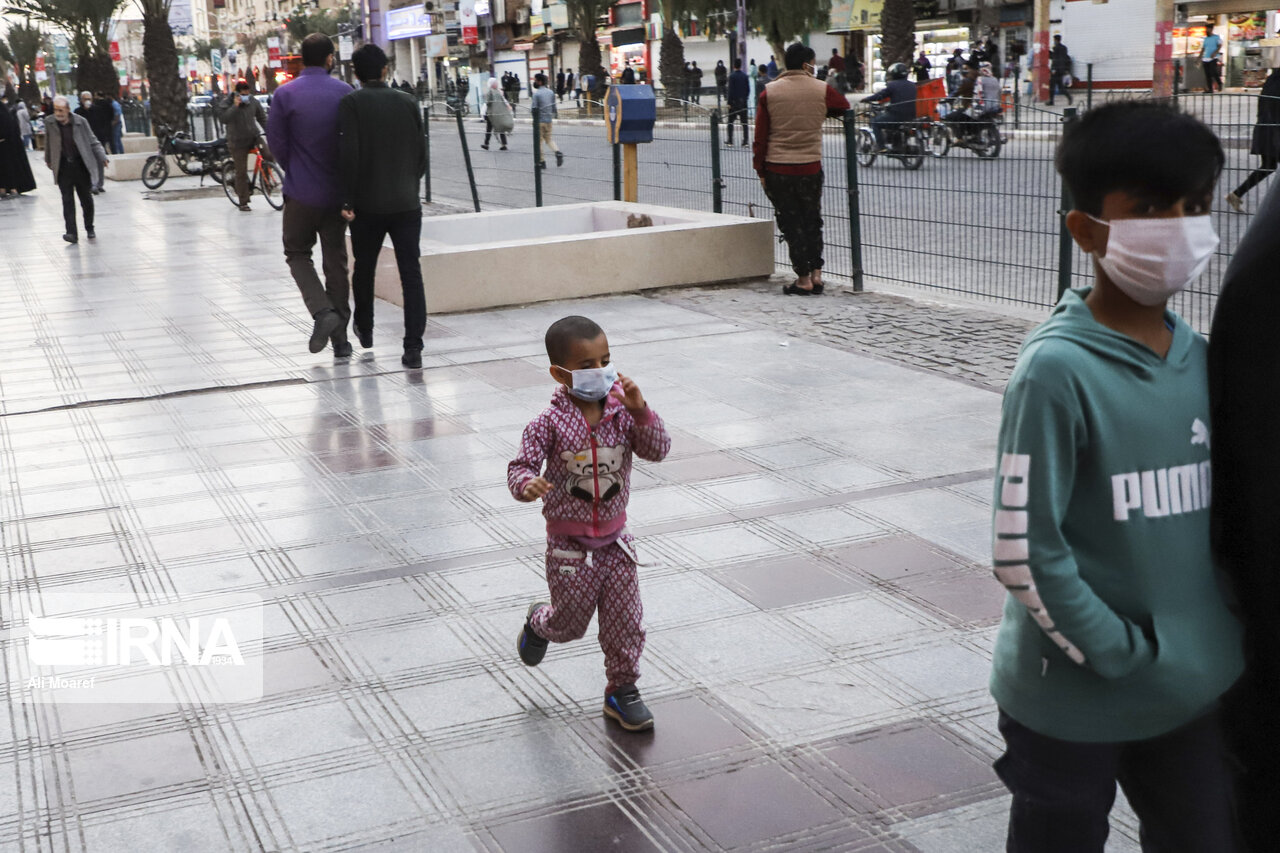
x,y
576,456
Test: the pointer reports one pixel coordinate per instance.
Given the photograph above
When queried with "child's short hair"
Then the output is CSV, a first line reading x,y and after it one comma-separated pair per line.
x,y
565,331
1148,148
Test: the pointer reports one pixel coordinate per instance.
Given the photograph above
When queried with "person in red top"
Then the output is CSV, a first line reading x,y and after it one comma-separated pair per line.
x,y
788,159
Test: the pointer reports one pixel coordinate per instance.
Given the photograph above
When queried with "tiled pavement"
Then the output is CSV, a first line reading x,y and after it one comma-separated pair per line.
x,y
819,609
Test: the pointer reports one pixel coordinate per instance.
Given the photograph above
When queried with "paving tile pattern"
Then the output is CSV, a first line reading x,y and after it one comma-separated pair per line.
x,y
969,343
819,608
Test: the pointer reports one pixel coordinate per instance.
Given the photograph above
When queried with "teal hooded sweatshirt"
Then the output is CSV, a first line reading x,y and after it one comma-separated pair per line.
x,y
1115,627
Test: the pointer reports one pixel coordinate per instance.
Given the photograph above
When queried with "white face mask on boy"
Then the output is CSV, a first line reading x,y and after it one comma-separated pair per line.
x,y
1152,259
593,383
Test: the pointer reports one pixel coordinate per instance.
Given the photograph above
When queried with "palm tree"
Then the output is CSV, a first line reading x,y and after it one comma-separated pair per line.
x,y
898,28
671,64
160,53
24,43
783,20
583,17
89,24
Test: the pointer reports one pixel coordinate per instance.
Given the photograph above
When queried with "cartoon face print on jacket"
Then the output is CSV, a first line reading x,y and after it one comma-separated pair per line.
x,y
605,471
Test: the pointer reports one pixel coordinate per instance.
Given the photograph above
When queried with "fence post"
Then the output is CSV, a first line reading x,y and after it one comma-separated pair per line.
x,y
1017,95
617,171
855,212
466,159
1088,92
717,184
1064,236
426,145
537,157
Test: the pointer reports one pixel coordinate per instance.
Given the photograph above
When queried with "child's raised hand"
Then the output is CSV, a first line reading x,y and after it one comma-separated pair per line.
x,y
630,395
535,488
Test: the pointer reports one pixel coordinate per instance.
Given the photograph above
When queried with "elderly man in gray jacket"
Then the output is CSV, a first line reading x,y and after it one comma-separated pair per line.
x,y
77,159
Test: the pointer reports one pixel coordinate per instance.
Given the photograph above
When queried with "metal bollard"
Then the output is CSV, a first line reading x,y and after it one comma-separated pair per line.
x,y
1064,236
537,158
855,212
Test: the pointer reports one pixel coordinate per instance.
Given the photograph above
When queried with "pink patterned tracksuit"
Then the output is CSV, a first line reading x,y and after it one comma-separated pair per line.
x,y
591,564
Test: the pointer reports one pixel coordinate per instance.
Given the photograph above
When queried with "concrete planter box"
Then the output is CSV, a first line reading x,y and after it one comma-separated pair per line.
x,y
473,261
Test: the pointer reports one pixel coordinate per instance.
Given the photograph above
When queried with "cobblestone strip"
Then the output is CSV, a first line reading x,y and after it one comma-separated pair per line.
x,y
969,344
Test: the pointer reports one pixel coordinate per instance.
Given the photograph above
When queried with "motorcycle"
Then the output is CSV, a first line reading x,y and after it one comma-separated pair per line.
x,y
904,142
976,130
193,158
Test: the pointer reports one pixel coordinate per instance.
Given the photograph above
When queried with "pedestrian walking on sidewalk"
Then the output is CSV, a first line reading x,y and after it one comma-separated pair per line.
x,y
117,125
15,168
243,120
560,85
77,159
1266,140
739,93
302,129
576,457
383,159
1117,643
1243,373
788,159
545,103
722,81
1060,63
498,117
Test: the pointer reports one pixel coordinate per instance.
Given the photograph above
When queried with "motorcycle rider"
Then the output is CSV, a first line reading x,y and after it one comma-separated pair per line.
x,y
901,95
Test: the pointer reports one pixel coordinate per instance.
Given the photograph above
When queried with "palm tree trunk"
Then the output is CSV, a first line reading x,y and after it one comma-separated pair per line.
x,y
898,25
96,73
589,63
168,91
671,65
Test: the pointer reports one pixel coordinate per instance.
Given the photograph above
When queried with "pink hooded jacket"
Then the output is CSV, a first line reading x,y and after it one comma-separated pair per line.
x,y
589,467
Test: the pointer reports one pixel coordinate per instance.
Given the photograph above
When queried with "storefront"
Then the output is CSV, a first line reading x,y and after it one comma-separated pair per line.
x,y
1245,62
938,45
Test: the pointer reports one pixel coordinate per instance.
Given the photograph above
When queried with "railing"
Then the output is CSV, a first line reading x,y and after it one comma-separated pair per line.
x,y
984,226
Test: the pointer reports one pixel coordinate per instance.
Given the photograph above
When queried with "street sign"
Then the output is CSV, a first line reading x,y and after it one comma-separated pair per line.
x,y
346,47
273,52
231,60
215,62
115,51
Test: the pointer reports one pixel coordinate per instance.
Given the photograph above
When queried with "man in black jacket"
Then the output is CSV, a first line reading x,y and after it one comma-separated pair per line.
x,y
383,159
1244,373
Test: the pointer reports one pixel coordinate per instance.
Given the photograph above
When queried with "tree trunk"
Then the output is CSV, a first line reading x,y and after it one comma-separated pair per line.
x,y
589,63
168,91
671,65
96,73
898,26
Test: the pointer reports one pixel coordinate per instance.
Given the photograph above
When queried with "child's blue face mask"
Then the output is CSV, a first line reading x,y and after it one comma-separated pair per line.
x,y
593,383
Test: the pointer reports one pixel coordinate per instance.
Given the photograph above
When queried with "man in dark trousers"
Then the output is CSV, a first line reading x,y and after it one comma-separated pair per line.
x,y
1059,69
303,131
242,116
383,161
722,81
788,158
1244,373
98,115
77,159
739,88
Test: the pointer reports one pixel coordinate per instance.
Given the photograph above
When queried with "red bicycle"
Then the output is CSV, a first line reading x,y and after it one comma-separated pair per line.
x,y
266,176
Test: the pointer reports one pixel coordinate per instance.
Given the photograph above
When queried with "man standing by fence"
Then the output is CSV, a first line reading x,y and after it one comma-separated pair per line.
x,y
788,159
383,158
303,131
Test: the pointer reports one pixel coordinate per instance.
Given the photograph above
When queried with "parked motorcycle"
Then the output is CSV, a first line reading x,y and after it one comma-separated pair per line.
x,y
193,158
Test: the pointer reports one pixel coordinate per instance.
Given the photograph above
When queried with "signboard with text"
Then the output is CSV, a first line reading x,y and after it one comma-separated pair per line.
x,y
407,22
273,52
215,61
61,55
180,18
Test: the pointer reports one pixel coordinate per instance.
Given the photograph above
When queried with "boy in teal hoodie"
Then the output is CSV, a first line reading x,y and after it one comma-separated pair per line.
x,y
1116,641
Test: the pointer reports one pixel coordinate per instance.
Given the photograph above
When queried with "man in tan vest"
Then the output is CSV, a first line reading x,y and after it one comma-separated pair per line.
x,y
788,159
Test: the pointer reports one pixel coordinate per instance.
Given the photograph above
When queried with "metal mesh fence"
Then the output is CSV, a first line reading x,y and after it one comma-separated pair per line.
x,y
966,219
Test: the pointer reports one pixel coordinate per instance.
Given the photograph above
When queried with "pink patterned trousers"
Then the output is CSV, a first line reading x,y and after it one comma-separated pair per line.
x,y
583,582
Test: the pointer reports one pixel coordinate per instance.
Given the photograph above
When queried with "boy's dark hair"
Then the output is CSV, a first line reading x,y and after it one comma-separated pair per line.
x,y
368,62
565,331
737,65
242,85
797,55
316,48
1148,148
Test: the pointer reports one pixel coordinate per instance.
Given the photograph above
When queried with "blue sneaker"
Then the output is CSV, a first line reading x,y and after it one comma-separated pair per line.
x,y
531,647
625,705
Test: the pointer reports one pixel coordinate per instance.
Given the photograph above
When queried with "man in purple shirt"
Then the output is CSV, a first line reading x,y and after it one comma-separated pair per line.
x,y
302,131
